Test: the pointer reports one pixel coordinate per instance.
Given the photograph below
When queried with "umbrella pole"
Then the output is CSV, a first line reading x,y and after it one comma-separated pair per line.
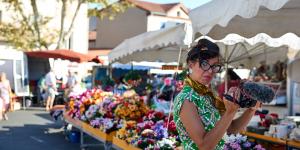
x,y
172,97
109,71
131,66
179,57
226,69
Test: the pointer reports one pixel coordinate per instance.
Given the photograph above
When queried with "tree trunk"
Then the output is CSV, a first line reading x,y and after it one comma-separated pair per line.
x,y
62,22
68,33
36,25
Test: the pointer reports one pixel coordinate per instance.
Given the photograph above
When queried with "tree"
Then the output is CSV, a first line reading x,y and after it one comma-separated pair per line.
x,y
29,31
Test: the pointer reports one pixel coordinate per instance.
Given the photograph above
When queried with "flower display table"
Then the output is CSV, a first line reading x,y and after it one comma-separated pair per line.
x,y
93,132
294,144
285,142
121,144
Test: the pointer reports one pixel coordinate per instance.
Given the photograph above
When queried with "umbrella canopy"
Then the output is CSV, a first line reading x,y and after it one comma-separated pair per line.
x,y
247,18
162,45
236,50
60,53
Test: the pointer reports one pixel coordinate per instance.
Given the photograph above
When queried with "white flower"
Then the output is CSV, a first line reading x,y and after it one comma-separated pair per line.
x,y
165,141
241,138
89,114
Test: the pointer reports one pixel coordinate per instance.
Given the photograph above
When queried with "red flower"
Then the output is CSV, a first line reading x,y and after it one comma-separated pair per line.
x,y
126,104
139,120
159,115
150,141
140,142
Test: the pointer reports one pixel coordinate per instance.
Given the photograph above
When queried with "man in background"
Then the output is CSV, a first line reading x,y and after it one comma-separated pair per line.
x,y
51,90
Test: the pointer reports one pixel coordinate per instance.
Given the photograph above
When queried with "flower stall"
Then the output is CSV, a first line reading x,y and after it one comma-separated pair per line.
x,y
125,122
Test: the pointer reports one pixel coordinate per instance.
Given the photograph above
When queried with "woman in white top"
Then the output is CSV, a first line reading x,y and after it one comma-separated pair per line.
x,y
5,91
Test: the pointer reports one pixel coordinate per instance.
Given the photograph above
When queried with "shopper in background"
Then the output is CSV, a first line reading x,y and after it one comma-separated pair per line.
x,y
5,91
51,90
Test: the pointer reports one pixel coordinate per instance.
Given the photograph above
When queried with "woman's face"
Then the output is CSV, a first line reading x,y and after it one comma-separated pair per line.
x,y
199,74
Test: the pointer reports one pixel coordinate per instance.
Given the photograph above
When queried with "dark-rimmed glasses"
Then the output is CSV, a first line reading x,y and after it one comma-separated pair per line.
x,y
204,65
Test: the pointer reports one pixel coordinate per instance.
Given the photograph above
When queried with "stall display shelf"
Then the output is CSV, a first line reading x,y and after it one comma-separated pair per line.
x,y
122,144
109,140
286,142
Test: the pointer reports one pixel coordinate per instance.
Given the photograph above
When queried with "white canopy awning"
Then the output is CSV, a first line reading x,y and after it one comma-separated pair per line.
x,y
247,18
162,45
236,50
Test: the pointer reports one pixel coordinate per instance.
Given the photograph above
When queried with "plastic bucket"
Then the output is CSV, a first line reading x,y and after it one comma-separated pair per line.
x,y
74,136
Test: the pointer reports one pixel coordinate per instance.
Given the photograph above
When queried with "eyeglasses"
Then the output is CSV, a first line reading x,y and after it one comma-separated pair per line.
x,y
204,65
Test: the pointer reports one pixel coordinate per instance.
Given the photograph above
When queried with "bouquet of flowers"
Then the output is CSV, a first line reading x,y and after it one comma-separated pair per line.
x,y
106,125
239,142
131,108
128,132
78,105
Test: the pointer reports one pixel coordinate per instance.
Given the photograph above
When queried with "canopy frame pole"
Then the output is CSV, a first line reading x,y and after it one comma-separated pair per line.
x,y
244,57
247,53
226,68
172,96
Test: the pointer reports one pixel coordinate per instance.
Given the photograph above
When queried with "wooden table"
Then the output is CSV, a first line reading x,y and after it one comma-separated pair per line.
x,y
85,128
288,143
265,138
294,144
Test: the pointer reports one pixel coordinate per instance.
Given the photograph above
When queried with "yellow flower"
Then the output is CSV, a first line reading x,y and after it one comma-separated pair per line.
x,y
82,109
132,107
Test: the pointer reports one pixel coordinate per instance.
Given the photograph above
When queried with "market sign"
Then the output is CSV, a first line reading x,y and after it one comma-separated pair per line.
x,y
170,67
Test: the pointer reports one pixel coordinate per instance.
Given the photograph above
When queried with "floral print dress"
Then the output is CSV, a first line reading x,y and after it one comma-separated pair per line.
x,y
206,110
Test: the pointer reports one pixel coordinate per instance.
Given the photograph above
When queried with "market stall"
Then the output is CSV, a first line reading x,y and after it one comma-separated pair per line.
x,y
125,122
272,22
294,79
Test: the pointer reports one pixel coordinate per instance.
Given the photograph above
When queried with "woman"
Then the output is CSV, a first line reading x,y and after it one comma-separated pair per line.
x,y
5,91
212,117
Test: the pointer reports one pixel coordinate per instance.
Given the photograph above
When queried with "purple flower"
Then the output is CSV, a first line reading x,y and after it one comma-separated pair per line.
x,y
95,123
235,146
77,115
93,108
259,147
247,145
226,147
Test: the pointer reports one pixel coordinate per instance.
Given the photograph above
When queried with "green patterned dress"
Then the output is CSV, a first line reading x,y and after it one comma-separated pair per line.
x,y
206,110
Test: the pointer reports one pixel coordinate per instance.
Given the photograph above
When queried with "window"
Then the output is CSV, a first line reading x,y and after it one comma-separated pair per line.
x,y
178,14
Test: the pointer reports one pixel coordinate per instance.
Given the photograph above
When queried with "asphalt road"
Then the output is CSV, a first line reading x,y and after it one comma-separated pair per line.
x,y
33,130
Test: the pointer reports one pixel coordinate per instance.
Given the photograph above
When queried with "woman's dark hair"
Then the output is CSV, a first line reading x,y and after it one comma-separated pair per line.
x,y
204,50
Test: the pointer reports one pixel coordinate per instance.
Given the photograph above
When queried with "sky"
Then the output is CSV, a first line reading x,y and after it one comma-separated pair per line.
x,y
188,3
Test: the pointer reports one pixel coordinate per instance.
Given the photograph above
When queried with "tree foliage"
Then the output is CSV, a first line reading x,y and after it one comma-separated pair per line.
x,y
29,31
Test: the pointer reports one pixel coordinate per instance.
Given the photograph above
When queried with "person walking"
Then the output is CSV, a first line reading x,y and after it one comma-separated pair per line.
x,y
5,91
51,90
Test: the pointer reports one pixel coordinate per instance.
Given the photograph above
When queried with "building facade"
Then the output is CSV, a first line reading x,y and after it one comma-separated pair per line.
x,y
143,17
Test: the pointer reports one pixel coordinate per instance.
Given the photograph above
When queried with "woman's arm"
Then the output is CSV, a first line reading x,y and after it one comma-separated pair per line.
x,y
240,123
192,123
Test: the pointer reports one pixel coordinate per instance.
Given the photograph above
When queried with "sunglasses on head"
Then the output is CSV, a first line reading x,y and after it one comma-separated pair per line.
x,y
204,65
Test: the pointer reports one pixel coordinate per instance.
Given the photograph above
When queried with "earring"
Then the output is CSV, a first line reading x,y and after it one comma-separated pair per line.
x,y
190,70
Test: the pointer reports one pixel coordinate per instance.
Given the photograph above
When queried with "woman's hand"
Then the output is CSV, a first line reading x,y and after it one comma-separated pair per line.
x,y
231,107
256,107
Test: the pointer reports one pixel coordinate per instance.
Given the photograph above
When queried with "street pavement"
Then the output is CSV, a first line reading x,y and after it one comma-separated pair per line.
x,y
33,130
